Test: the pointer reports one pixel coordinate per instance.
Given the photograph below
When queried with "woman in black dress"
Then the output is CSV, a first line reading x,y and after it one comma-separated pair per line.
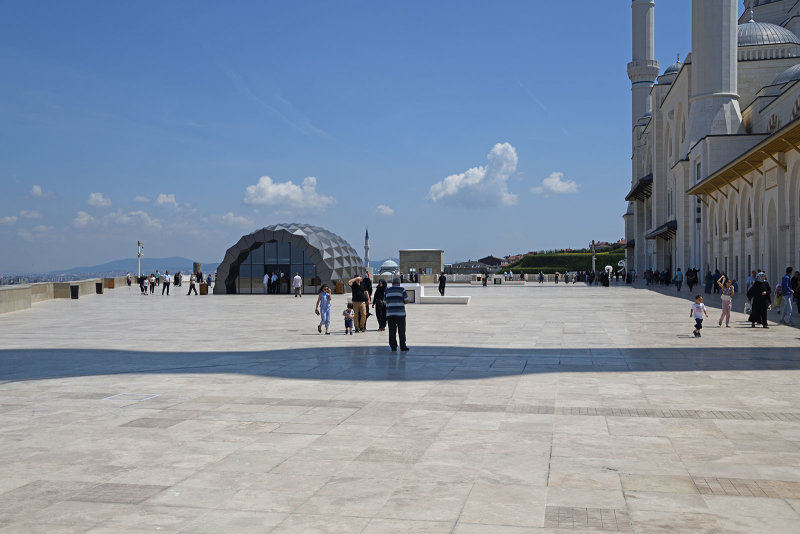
x,y
760,295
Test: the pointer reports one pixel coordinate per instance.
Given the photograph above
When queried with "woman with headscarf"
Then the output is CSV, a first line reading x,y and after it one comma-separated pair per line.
x,y
761,296
379,303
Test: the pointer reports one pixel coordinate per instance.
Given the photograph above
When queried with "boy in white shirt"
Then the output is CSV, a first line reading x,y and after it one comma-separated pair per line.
x,y
698,309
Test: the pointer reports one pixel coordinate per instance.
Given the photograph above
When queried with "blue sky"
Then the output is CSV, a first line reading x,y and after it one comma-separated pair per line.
x,y
475,127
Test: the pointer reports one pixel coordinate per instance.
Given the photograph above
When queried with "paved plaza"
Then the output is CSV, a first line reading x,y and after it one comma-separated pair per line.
x,y
539,409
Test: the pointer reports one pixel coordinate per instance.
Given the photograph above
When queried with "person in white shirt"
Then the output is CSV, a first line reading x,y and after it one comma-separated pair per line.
x,y
166,280
266,283
297,284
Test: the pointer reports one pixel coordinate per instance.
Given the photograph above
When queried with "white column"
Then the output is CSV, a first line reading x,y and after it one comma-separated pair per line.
x,y
643,69
714,98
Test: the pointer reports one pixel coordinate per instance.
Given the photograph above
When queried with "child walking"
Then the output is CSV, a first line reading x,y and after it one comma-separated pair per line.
x,y
323,308
698,309
349,315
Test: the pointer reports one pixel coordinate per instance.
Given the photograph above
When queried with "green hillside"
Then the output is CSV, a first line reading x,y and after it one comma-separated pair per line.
x,y
566,261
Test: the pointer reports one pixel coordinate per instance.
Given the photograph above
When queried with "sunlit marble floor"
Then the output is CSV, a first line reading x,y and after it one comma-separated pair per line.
x,y
539,409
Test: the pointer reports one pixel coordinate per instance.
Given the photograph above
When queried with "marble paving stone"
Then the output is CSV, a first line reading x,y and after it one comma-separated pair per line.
x,y
266,426
118,493
572,518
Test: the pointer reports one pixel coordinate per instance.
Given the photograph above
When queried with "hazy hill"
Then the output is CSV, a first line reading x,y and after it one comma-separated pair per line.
x,y
120,267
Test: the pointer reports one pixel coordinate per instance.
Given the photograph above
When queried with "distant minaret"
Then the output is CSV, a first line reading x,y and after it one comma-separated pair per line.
x,y
366,249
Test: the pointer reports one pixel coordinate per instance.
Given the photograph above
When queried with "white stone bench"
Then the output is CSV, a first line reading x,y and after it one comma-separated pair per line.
x,y
438,299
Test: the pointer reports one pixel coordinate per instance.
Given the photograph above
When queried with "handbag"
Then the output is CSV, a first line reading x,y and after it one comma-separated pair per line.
x,y
748,308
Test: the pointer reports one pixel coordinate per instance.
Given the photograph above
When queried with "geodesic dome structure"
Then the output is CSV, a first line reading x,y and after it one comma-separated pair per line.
x,y
333,257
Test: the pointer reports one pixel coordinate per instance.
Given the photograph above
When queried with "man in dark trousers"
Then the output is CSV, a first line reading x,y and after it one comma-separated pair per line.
x,y
366,283
396,299
360,303
442,283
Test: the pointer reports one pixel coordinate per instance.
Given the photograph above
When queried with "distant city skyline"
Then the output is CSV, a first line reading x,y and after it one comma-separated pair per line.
x,y
472,127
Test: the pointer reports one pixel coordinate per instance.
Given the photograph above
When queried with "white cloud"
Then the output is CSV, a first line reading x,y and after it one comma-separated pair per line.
x,y
137,217
383,209
480,186
554,185
36,232
36,191
25,214
99,200
140,198
236,220
286,194
8,219
82,219
166,200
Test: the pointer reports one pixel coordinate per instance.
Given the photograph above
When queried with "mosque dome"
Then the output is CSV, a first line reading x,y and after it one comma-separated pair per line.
x,y
789,75
675,68
754,33
389,264
761,40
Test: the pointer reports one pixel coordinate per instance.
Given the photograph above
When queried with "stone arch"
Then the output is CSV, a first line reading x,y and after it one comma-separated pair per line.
x,y
334,259
759,239
793,214
773,272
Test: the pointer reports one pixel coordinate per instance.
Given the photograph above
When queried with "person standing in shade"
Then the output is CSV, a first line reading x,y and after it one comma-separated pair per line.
x,y
679,279
787,293
760,295
366,283
273,282
379,303
727,299
323,309
165,285
297,284
192,280
442,283
359,297
266,283
396,300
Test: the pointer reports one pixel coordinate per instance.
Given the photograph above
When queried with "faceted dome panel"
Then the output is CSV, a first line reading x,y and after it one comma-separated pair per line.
x,y
333,257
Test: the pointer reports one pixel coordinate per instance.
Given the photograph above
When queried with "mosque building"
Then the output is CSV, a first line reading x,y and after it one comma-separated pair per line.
x,y
716,142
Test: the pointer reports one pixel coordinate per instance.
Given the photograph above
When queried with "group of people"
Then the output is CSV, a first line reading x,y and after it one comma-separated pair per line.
x,y
388,302
148,284
759,294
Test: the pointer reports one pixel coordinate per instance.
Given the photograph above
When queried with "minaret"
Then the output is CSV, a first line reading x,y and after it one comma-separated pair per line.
x,y
366,249
714,99
643,70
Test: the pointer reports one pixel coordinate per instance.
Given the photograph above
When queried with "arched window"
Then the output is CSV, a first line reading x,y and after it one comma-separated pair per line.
x,y
749,215
736,222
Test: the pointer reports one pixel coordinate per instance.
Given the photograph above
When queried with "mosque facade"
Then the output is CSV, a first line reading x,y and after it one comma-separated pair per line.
x,y
715,163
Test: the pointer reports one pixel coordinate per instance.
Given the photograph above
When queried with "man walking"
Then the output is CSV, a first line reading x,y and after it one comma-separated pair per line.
x,y
787,294
166,281
359,303
442,283
396,300
297,284
192,280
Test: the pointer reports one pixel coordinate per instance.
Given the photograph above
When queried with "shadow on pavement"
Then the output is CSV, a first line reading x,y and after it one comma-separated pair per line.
x,y
378,363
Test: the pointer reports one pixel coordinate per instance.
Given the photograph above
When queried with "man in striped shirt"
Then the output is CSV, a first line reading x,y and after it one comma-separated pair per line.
x,y
396,299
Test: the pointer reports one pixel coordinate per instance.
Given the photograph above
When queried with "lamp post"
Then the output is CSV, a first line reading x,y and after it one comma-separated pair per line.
x,y
139,258
594,258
